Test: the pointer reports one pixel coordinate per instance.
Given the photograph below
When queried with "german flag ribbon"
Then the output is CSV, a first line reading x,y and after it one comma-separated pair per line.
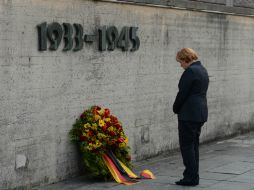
x,y
121,173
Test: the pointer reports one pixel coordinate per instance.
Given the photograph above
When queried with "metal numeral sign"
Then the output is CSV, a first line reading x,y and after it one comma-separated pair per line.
x,y
108,38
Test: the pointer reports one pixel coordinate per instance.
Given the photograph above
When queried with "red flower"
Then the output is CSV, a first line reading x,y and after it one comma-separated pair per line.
x,y
107,112
82,116
118,126
104,127
108,124
90,133
112,133
113,141
120,140
113,119
82,138
95,109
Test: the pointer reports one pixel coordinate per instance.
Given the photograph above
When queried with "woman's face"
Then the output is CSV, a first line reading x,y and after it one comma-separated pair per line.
x,y
183,64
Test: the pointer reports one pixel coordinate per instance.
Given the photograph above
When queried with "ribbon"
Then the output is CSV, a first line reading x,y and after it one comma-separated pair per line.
x,y
121,173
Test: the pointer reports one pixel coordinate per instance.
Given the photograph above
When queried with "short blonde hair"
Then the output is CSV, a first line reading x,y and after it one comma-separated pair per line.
x,y
187,55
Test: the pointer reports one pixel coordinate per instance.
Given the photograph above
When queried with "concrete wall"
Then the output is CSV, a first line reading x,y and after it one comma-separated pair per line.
x,y
244,3
42,93
232,3
234,7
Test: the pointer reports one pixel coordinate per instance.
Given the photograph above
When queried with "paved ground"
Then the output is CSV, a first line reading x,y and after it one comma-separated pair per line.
x,y
224,165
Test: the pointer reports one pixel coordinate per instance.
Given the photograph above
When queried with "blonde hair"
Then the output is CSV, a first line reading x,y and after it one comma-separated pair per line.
x,y
187,55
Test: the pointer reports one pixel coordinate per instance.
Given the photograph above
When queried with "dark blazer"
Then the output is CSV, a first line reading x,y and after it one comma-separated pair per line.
x,y
190,103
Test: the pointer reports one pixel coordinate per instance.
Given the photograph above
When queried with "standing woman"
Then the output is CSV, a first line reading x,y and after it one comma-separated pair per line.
x,y
191,107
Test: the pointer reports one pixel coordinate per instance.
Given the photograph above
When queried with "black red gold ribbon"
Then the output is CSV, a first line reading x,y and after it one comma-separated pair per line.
x,y
121,173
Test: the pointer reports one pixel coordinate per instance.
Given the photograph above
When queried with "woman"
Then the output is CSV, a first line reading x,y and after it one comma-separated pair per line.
x,y
191,107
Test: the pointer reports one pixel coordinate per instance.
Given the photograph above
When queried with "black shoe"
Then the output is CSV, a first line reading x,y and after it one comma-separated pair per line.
x,y
185,182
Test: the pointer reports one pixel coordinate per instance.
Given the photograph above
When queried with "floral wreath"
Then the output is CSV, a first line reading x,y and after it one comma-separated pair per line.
x,y
96,132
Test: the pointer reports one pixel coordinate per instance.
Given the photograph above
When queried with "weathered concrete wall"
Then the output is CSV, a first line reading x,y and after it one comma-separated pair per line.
x,y
43,92
244,3
234,7
210,3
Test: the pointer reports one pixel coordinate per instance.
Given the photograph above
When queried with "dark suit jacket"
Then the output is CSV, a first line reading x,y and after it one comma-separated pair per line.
x,y
190,103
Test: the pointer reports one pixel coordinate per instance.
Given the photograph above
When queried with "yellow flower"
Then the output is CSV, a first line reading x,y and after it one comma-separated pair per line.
x,y
121,145
101,112
126,140
87,125
110,128
93,138
101,123
94,126
97,117
98,144
84,134
90,146
101,136
107,119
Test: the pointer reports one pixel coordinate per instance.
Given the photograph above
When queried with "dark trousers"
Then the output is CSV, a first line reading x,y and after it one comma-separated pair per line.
x,y
189,133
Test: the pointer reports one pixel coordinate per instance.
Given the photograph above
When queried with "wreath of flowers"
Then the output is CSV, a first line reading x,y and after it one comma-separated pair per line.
x,y
97,131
